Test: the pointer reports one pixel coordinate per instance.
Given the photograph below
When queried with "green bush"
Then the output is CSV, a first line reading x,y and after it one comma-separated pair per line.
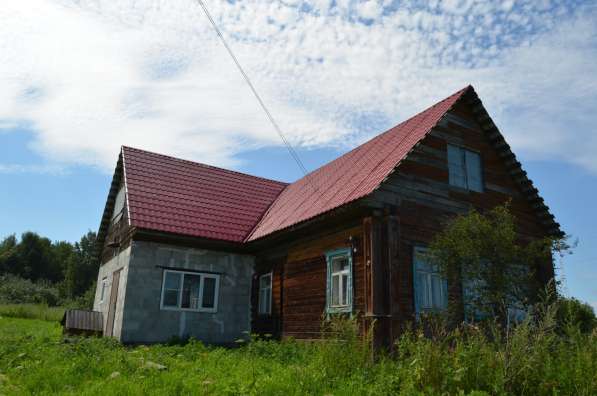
x,y
572,312
16,290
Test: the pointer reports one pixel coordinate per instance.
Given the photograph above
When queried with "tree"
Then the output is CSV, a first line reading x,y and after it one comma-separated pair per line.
x,y
8,254
498,270
578,314
35,257
81,267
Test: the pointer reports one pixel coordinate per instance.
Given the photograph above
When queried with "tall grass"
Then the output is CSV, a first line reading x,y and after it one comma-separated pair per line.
x,y
535,358
31,311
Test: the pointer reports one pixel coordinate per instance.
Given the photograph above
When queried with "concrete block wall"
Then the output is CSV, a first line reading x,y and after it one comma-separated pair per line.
x,y
107,270
145,322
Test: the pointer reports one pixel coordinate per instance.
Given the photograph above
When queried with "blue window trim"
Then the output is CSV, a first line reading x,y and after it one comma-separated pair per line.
x,y
343,252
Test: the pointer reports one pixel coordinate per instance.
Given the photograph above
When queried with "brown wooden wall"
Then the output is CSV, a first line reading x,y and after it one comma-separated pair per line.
x,y
419,194
299,284
118,232
409,209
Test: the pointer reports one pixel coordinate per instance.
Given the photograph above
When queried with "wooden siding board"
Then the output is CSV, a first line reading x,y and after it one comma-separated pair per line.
x,y
427,201
304,279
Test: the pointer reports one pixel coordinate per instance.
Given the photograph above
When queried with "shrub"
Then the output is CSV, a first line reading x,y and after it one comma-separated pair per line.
x,y
16,290
572,312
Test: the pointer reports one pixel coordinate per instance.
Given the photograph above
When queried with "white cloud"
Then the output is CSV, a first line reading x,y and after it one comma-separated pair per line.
x,y
89,76
369,9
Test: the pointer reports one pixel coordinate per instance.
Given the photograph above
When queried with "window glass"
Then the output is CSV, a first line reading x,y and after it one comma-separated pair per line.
x,y
265,294
264,281
339,264
344,290
457,172
437,291
430,287
118,203
473,171
335,290
339,283
104,286
464,168
209,292
190,291
172,289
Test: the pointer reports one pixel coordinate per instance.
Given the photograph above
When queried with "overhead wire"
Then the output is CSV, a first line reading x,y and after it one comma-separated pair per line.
x,y
269,115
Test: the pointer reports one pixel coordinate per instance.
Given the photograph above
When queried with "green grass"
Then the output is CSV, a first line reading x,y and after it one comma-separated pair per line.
x,y
34,359
31,311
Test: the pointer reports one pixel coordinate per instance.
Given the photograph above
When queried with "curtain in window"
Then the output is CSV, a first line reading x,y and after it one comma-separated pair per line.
x,y
430,287
190,291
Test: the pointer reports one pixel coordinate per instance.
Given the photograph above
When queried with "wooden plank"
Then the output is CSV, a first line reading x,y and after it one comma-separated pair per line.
x,y
109,330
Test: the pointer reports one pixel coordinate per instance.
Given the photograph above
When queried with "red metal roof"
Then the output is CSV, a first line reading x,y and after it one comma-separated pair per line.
x,y
183,197
351,176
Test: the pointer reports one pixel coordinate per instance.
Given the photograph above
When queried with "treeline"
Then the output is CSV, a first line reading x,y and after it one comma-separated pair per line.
x,y
33,267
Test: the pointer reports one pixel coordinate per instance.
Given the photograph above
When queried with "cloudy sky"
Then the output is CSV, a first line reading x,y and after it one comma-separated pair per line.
x,y
80,78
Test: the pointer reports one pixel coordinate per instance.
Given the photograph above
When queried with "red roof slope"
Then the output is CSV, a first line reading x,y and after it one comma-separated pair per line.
x,y
351,176
187,198
183,197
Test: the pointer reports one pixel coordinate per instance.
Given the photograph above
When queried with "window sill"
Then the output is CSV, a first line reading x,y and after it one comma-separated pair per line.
x,y
200,310
342,309
463,190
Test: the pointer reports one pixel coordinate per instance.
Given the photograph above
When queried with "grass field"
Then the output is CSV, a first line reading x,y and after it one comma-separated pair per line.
x,y
34,359
31,311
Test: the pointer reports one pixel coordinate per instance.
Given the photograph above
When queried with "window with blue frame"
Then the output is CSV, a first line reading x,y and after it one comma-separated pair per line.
x,y
430,286
339,281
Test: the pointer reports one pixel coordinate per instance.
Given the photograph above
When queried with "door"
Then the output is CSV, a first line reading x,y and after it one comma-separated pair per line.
x,y
109,330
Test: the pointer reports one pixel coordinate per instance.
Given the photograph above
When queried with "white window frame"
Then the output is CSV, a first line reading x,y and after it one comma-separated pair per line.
x,y
103,289
203,275
340,275
342,254
463,153
267,289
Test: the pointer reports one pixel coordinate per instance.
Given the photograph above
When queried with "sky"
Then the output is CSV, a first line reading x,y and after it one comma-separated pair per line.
x,y
80,78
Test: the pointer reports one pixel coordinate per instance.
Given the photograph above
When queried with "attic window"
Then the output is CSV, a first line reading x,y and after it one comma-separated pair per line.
x,y
465,168
118,204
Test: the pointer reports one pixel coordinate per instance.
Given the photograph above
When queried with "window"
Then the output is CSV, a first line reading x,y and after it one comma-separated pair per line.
x,y
465,168
265,294
431,288
104,287
339,281
118,204
190,291
472,292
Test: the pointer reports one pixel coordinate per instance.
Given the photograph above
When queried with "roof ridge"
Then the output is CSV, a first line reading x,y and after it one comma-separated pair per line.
x,y
196,163
455,96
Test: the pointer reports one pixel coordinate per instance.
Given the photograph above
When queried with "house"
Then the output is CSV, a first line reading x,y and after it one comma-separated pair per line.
x,y
194,250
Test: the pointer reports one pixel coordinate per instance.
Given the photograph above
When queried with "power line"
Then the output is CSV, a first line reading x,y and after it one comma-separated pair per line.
x,y
291,150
